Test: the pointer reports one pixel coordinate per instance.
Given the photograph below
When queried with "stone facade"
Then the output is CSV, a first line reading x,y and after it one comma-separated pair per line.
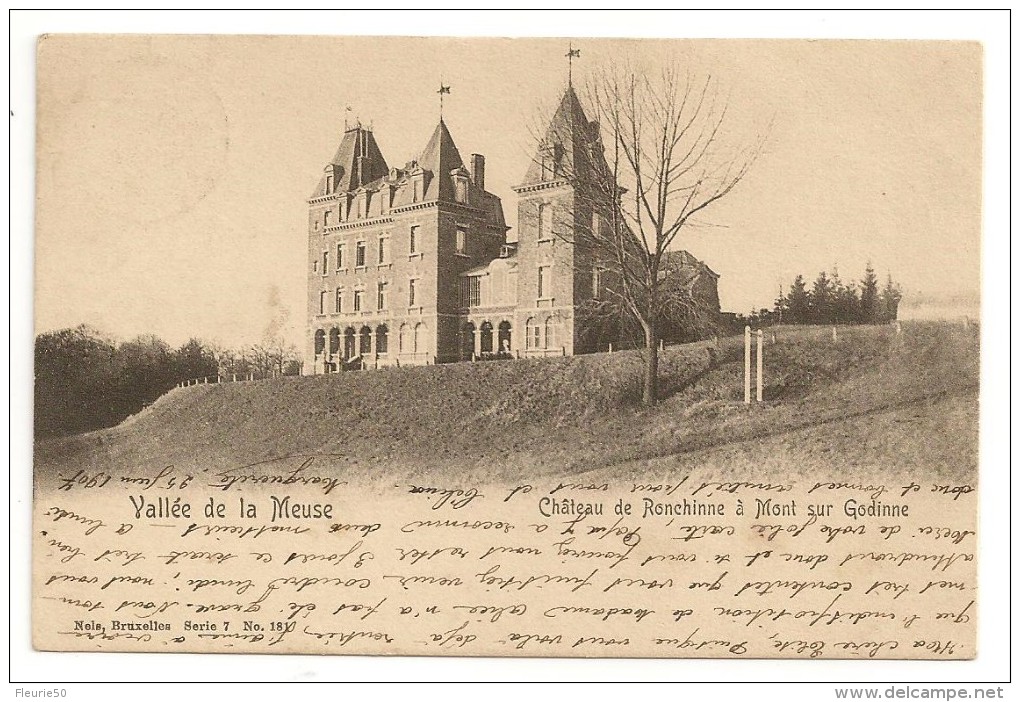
x,y
411,266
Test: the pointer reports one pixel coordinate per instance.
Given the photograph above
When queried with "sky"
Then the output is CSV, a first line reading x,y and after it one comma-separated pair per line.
x,y
173,171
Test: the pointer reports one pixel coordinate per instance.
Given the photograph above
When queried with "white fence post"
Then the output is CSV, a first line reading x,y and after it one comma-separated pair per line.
x,y
747,365
759,369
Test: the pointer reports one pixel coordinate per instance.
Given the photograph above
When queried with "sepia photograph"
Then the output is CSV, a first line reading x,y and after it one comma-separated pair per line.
x,y
466,346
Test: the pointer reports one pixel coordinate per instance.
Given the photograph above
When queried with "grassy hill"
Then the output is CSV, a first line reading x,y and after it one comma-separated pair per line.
x,y
871,402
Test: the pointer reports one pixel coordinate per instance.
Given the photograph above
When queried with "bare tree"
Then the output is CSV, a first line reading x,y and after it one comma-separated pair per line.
x,y
651,160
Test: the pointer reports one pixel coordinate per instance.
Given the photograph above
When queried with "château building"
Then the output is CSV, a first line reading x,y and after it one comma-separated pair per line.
x,y
412,265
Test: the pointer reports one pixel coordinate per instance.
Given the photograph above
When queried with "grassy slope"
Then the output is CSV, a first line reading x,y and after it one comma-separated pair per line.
x,y
870,403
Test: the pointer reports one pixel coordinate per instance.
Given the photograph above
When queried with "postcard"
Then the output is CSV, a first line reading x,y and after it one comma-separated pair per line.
x,y
507,347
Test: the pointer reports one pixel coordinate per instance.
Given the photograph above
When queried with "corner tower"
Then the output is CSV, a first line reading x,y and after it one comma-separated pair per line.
x,y
557,268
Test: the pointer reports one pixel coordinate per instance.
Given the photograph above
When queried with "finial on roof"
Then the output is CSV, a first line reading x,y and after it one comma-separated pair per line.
x,y
571,54
443,90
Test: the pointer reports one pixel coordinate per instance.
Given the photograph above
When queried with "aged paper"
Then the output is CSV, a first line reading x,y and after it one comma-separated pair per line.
x,y
452,467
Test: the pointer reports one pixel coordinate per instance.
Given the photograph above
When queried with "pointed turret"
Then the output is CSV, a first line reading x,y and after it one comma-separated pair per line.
x,y
567,146
357,162
442,158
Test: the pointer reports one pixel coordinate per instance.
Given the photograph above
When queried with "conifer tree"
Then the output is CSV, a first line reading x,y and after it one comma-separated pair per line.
x,y
870,303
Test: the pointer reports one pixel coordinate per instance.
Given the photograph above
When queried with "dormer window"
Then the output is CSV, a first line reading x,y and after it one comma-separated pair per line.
x,y
329,185
419,184
546,158
461,241
460,185
558,159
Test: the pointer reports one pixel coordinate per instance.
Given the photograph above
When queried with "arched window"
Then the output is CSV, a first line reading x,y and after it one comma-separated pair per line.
x,y
382,341
320,341
467,341
485,338
334,340
504,338
406,340
550,333
350,345
421,338
532,334
366,340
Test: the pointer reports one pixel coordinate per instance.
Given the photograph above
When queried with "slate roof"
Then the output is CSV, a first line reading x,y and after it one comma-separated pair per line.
x,y
356,140
441,157
568,142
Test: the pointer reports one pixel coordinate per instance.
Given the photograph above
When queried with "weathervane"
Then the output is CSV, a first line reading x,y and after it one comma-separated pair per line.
x,y
443,90
571,54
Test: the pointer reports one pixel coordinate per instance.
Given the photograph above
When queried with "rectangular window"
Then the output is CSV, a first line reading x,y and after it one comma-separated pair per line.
x,y
534,337
339,300
359,255
384,249
544,282
382,296
411,285
414,238
339,256
315,266
596,283
474,291
325,262
544,222
461,239
357,300
325,218
322,302
471,291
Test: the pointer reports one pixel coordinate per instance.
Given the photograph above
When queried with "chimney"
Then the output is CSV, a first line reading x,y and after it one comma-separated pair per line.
x,y
478,171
